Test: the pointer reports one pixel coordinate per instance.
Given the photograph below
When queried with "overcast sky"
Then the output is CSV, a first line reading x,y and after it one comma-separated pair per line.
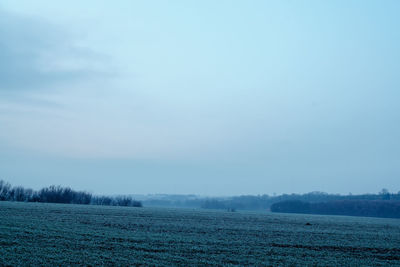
x,y
204,97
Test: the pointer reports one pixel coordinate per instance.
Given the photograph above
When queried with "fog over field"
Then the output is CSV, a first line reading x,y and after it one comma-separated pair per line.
x,y
213,98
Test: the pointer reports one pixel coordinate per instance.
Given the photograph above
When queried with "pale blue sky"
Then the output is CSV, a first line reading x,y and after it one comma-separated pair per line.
x,y
203,97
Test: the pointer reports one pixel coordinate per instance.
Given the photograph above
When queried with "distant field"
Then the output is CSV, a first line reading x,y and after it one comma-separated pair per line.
x,y
55,234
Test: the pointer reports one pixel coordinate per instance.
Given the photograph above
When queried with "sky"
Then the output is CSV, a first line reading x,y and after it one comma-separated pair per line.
x,y
214,98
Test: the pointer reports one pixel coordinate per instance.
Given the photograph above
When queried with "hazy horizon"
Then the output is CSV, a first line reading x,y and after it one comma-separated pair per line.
x,y
208,98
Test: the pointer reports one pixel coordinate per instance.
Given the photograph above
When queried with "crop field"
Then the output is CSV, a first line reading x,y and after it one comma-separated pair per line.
x,y
55,234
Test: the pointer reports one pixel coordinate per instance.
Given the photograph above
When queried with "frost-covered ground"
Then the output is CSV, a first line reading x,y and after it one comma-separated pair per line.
x,y
55,234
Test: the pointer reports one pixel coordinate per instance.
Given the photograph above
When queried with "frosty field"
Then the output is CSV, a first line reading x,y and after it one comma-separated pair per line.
x,y
55,234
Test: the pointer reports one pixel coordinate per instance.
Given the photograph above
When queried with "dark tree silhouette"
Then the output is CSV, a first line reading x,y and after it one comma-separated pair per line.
x,y
58,194
369,208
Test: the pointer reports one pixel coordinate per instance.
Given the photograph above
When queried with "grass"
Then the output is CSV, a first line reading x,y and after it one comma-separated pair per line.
x,y
56,234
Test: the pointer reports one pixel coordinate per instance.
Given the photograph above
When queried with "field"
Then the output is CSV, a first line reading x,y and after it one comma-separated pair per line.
x,y
55,234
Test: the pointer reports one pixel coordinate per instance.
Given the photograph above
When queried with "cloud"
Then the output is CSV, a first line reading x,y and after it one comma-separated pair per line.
x,y
35,54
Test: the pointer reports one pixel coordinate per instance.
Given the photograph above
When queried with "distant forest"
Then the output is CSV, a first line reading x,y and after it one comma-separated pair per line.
x,y
369,208
382,204
58,194
264,202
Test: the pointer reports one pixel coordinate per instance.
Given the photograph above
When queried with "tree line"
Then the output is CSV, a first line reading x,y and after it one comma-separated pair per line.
x,y
368,208
59,194
264,202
